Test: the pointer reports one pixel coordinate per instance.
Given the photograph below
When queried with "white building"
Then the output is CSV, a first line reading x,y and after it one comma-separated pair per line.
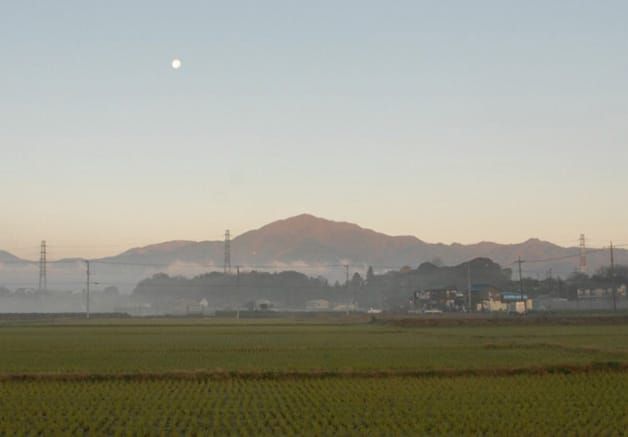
x,y
317,305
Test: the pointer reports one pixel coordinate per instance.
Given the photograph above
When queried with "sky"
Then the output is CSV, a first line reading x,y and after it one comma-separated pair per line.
x,y
453,121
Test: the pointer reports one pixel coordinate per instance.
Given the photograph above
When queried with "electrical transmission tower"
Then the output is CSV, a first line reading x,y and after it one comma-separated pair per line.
x,y
612,275
227,264
583,255
43,270
88,275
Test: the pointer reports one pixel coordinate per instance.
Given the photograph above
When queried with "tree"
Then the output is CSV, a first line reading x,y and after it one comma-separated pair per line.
x,y
370,275
357,281
111,291
437,261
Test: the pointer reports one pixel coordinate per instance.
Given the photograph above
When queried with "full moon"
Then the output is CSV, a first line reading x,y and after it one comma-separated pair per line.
x,y
176,63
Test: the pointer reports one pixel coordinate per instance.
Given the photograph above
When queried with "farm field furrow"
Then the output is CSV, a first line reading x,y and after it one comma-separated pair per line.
x,y
593,404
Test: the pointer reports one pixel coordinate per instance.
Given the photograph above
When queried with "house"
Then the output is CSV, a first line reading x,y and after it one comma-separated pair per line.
x,y
442,299
345,307
482,295
262,305
194,309
317,305
512,302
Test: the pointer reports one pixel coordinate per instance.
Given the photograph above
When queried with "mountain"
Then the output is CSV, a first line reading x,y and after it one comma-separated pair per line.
x,y
309,242
172,251
6,257
310,239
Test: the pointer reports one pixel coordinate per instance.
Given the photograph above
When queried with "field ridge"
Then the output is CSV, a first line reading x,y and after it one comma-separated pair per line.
x,y
220,374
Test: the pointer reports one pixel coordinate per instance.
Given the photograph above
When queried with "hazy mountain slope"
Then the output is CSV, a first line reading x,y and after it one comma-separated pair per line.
x,y
9,257
204,252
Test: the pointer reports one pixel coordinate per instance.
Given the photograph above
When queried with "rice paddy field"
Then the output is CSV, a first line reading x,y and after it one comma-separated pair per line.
x,y
290,377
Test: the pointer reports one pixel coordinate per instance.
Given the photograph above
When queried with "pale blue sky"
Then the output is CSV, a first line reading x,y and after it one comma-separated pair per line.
x,y
449,120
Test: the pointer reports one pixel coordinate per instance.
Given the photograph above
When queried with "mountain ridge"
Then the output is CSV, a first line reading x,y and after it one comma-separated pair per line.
x,y
309,240
9,257
306,239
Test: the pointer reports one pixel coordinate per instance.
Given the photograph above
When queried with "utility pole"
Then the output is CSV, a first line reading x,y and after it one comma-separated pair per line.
x,y
347,275
612,272
469,285
583,255
525,304
88,273
227,264
43,268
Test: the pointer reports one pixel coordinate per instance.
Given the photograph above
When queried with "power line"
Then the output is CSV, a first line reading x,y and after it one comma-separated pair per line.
x,y
105,261
575,255
251,266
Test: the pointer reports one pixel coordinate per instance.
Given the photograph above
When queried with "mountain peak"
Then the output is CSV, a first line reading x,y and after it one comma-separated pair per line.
x,y
538,242
307,222
305,218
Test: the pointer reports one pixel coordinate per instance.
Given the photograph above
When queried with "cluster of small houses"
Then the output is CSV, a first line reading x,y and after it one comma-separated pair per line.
x,y
314,305
480,297
602,292
487,298
265,305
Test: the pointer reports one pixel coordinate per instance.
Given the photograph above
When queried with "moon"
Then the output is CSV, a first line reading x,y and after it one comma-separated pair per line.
x,y
176,63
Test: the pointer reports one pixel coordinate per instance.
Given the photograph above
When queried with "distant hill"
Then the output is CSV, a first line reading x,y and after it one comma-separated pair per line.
x,y
8,257
313,241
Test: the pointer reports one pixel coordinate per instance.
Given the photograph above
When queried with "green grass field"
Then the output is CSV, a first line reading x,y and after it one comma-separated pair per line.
x,y
167,376
281,346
